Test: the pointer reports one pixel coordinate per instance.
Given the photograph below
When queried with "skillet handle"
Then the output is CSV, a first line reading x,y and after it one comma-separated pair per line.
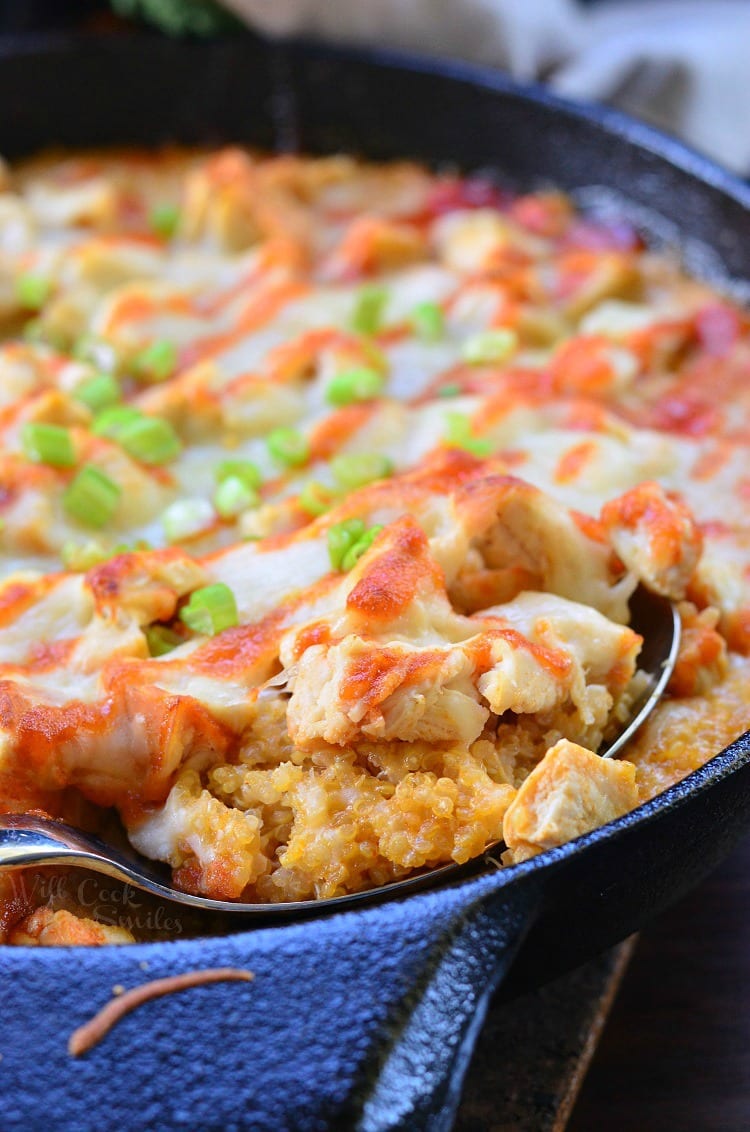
x,y
365,1020
418,1076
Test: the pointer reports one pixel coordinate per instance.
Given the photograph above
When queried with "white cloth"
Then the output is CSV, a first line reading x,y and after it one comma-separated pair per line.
x,y
680,63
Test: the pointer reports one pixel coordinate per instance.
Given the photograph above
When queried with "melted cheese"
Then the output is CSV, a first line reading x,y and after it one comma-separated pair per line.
x,y
355,723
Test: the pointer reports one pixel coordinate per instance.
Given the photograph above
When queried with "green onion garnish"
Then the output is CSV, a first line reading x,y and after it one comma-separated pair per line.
x,y
98,392
489,346
161,639
452,389
48,444
288,447
152,440
164,219
187,517
32,291
354,553
233,496
136,547
369,307
459,434
92,497
245,470
156,362
352,471
351,385
348,541
80,558
428,322
210,610
342,536
113,420
315,499
89,348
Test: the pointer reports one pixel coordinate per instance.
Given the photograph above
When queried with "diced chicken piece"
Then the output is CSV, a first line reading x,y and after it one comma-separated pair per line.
x,y
218,206
569,793
89,202
524,682
358,688
373,244
45,928
656,536
604,650
565,656
469,241
145,586
515,525
702,661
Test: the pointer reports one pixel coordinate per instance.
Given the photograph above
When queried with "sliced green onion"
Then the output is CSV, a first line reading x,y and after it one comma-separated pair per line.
x,y
164,219
81,557
352,471
156,362
245,470
354,553
459,434
210,610
348,541
452,389
186,518
48,444
92,497
32,291
161,639
112,421
315,499
369,307
152,440
351,385
428,321
342,536
98,392
233,496
136,547
489,346
288,447
89,348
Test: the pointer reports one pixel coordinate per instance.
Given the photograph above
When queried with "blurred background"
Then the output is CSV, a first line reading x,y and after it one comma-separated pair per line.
x,y
680,64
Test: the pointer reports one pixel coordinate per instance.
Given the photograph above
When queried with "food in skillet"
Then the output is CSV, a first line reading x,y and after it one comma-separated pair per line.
x,y
323,488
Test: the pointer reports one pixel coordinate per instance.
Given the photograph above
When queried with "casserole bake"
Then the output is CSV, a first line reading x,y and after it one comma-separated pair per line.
x,y
371,1014
353,468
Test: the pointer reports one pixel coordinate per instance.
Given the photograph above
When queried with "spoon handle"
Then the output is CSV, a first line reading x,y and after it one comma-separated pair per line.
x,y
26,841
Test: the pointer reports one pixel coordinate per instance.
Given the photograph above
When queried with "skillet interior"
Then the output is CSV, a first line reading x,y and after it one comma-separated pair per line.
x,y
582,897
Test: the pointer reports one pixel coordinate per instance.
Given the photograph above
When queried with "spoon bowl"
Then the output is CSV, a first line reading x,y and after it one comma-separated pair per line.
x,y
27,840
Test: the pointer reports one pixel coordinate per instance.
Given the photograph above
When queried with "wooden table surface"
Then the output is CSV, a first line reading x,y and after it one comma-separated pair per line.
x,y
675,1053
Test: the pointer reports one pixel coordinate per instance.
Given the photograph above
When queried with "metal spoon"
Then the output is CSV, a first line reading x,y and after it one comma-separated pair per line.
x,y
33,841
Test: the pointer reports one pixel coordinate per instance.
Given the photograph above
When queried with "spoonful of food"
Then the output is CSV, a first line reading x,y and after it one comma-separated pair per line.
x,y
27,840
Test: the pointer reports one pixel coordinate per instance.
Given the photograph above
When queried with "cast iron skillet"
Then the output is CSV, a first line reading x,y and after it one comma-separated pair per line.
x,y
364,1019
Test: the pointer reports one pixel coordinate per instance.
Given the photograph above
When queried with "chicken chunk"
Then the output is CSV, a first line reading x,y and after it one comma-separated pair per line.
x,y
45,928
358,688
656,537
563,656
569,793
